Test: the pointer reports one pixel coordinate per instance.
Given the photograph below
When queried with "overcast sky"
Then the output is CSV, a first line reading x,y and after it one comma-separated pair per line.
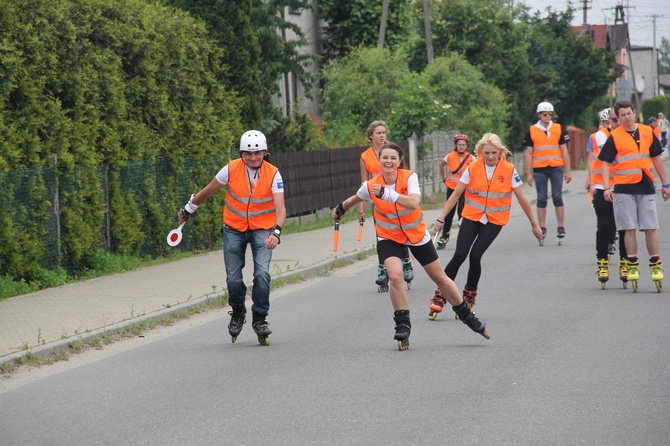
x,y
638,16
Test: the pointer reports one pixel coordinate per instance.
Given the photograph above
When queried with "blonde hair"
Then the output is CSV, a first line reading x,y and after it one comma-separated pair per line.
x,y
491,139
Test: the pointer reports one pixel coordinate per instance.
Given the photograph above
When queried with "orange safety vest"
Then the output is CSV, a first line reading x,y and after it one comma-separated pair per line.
x,y
657,132
547,150
248,208
393,221
596,164
371,161
631,161
453,161
491,197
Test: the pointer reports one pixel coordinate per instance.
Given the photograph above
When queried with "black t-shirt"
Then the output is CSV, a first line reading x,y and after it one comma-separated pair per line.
x,y
528,142
646,185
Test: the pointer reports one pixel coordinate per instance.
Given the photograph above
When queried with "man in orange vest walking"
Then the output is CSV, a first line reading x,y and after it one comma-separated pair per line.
x,y
547,161
253,216
632,148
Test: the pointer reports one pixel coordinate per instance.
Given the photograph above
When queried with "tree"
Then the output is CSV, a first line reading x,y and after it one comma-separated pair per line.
x,y
356,23
229,23
664,56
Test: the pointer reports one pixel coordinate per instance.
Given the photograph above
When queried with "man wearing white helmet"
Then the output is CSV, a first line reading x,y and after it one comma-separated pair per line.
x,y
547,161
605,224
253,215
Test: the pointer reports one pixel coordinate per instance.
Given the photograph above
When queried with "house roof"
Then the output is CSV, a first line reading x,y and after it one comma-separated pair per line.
x,y
611,37
664,80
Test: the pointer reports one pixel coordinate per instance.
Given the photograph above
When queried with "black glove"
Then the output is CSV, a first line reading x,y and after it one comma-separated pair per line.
x,y
339,210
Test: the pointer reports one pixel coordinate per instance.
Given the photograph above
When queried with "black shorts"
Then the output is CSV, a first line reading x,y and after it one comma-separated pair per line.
x,y
423,254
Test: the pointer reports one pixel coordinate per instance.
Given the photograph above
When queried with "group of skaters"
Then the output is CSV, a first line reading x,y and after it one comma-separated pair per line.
x,y
621,182
480,187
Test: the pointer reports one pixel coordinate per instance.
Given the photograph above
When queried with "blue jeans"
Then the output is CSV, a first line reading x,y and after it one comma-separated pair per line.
x,y
234,252
554,175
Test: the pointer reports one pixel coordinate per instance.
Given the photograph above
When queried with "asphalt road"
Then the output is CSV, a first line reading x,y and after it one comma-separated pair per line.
x,y
568,363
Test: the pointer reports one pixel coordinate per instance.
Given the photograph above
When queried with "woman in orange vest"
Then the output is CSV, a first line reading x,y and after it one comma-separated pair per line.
x,y
395,195
253,216
455,162
488,184
369,162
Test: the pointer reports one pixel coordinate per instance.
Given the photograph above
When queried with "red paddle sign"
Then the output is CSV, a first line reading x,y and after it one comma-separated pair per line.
x,y
174,237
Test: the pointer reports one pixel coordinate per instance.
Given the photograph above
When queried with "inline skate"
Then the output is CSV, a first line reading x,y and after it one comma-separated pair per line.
x,y
603,272
436,305
382,279
656,273
623,272
560,233
407,272
237,321
261,328
403,328
633,273
468,318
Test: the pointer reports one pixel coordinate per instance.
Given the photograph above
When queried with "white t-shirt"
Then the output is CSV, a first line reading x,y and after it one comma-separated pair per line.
x,y
516,182
277,183
412,188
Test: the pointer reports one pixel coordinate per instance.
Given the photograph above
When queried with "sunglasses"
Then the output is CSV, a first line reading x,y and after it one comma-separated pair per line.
x,y
547,114
614,120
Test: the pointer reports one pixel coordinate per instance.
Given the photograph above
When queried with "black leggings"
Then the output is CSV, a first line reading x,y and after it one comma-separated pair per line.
x,y
475,238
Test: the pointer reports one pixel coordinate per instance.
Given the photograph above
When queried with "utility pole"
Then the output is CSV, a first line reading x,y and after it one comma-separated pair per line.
x,y
585,23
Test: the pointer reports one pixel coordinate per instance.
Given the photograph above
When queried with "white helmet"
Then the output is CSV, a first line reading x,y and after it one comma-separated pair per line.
x,y
544,107
253,141
605,114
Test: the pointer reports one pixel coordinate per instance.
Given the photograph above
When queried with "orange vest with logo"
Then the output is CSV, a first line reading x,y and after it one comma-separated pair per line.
x,y
596,164
393,221
248,208
631,162
371,161
494,197
453,161
657,132
547,150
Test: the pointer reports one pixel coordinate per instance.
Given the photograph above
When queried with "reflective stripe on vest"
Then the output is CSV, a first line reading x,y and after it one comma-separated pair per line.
x,y
596,164
493,198
246,209
547,150
632,161
393,221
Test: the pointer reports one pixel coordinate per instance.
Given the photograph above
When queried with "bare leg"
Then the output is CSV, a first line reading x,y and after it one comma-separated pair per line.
x,y
396,283
651,237
446,286
631,242
542,217
560,215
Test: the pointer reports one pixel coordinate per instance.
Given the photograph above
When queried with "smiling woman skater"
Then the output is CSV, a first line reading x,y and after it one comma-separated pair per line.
x,y
488,184
395,195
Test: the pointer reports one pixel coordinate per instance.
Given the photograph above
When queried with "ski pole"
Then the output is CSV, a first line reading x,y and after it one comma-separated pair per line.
x,y
360,229
435,237
336,234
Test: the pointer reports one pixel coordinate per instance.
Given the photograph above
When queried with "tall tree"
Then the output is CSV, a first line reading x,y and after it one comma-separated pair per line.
x,y
664,56
229,23
356,23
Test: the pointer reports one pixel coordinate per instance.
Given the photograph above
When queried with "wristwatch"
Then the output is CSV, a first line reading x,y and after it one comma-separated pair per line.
x,y
276,231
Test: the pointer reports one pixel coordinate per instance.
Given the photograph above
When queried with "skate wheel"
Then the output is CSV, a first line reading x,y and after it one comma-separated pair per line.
x,y
659,285
486,334
541,242
263,341
403,344
456,316
233,339
432,316
634,284
602,284
409,285
559,241
625,284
